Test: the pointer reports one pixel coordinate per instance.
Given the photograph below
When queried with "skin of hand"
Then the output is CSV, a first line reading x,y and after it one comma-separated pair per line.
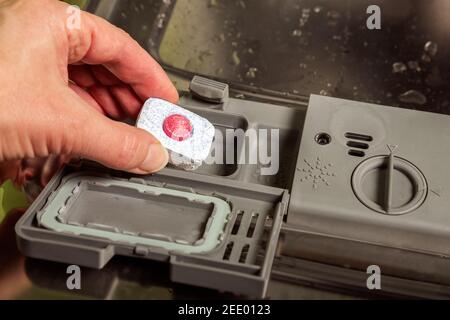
x,y
63,89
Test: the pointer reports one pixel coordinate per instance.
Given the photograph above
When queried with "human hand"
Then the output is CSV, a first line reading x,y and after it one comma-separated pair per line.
x,y
61,88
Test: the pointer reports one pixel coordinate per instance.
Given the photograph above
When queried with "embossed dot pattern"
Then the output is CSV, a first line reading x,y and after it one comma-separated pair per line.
x,y
316,172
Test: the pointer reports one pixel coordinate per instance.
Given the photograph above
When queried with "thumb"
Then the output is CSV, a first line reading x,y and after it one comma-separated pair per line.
x,y
115,144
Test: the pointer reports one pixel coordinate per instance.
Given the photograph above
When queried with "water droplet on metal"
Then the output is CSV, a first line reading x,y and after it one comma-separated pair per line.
x,y
213,3
297,33
431,48
426,58
242,4
251,73
413,97
235,58
399,67
317,9
415,66
219,71
160,20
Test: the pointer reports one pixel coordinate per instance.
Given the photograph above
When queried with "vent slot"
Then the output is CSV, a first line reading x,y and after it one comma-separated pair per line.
x,y
358,145
356,153
228,250
358,136
244,253
237,222
252,226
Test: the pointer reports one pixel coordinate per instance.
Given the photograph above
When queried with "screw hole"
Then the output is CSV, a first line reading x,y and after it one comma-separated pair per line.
x,y
323,139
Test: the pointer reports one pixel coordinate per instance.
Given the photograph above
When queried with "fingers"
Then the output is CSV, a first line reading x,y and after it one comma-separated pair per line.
x,y
101,89
114,144
83,94
104,76
100,43
103,97
127,99
82,75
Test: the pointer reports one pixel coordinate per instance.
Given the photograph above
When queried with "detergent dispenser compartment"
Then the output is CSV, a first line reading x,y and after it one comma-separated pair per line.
x,y
216,227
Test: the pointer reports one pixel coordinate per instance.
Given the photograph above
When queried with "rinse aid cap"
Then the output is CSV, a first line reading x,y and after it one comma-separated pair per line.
x,y
186,136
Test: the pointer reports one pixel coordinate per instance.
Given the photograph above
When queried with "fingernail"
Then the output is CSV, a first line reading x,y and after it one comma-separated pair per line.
x,y
156,160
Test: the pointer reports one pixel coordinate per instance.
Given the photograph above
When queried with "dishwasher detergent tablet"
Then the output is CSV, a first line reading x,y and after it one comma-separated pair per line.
x,y
186,136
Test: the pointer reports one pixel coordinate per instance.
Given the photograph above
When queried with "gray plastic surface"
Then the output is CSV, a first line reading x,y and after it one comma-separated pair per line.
x,y
366,189
240,262
138,214
103,206
374,192
209,90
328,247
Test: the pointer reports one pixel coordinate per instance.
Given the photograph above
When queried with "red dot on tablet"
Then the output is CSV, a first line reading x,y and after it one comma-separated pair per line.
x,y
177,127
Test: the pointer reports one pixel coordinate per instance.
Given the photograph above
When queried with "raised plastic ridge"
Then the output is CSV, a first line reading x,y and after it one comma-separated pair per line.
x,y
57,214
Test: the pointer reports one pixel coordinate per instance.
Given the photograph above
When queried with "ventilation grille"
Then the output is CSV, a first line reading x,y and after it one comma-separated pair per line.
x,y
358,144
244,242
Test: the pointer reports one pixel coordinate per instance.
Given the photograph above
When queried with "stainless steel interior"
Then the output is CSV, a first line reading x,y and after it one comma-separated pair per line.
x,y
295,48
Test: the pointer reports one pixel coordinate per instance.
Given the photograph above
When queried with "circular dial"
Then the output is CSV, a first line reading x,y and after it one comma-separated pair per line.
x,y
389,185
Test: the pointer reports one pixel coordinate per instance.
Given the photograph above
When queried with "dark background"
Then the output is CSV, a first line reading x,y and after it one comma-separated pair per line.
x,y
305,46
